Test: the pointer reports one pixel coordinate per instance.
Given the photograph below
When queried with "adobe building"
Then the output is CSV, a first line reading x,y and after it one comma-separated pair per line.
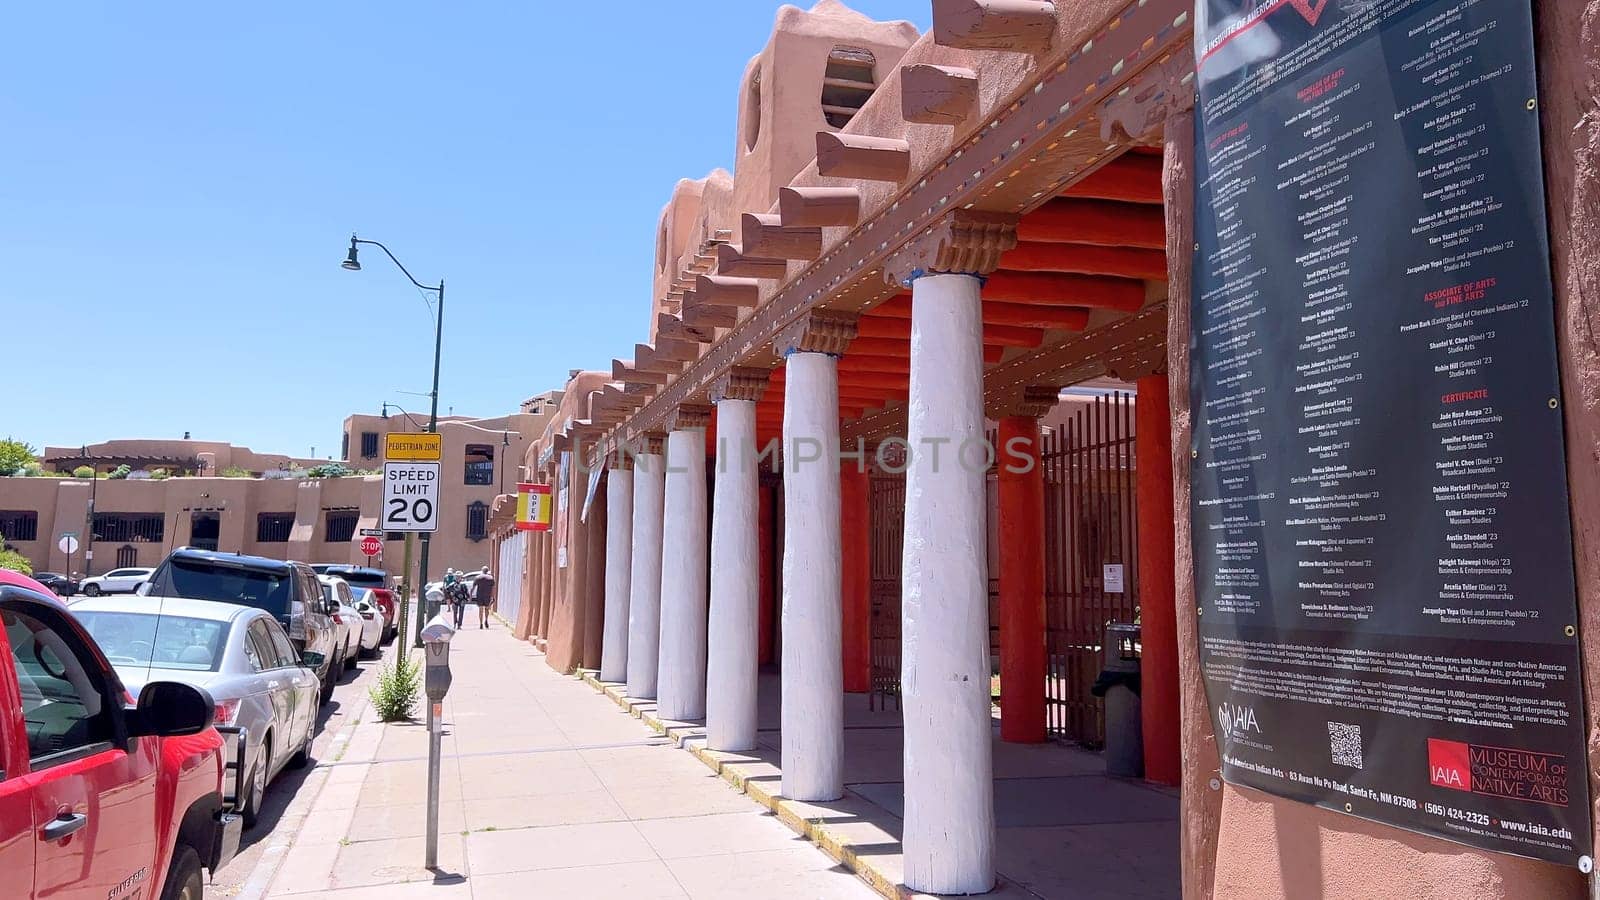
x,y
925,241
264,511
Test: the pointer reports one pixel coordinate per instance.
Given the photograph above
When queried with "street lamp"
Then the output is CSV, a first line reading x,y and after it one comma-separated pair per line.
x,y
353,262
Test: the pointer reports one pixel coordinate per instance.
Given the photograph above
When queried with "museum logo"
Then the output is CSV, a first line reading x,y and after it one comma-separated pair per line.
x,y
1236,720
1498,771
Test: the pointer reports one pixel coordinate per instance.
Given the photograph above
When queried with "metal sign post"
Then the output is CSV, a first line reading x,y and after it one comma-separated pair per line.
x,y
436,683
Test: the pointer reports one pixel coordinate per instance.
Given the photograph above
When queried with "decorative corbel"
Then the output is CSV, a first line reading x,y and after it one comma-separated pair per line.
x,y
740,383
688,416
1022,26
964,241
818,331
937,95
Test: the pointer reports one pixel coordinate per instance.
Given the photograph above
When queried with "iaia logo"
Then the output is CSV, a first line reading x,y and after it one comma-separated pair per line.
x,y
1237,719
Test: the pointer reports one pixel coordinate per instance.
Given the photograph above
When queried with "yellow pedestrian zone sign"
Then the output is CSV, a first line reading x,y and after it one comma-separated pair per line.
x,y
426,447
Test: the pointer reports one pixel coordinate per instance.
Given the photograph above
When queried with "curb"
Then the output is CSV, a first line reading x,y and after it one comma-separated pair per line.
x,y
837,847
259,882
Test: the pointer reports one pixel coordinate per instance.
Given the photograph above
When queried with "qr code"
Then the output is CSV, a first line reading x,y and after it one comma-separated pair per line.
x,y
1345,743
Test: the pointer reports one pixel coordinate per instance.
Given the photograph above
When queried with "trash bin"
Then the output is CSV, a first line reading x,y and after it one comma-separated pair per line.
x,y
1119,685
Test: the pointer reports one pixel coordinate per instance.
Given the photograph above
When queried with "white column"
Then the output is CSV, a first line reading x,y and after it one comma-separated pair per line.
x,y
681,691
619,572
813,671
949,790
732,668
644,587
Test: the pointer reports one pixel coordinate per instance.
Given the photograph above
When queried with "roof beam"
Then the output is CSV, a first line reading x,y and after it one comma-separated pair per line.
x,y
1023,26
721,290
819,205
937,95
732,261
864,156
763,234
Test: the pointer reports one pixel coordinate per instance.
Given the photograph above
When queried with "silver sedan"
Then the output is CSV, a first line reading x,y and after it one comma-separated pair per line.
x,y
237,653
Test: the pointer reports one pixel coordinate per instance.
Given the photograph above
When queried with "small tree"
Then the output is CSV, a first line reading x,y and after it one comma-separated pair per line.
x,y
120,471
14,456
83,472
11,559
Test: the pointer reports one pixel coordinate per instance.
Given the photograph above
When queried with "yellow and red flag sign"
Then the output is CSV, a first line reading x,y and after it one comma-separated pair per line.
x,y
533,507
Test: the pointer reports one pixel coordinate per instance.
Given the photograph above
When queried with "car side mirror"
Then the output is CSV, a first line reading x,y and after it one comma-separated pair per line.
x,y
171,709
143,589
311,659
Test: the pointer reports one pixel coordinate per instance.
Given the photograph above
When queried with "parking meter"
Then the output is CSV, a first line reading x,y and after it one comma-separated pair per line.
x,y
436,658
436,683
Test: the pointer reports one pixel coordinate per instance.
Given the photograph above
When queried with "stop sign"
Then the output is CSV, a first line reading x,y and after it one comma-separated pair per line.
x,y
371,546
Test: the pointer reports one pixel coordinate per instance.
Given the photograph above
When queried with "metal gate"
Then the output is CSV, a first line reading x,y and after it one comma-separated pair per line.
x,y
1091,539
888,502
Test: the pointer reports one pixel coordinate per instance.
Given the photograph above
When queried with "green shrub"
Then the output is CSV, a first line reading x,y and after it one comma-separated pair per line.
x,y
120,471
83,472
236,472
159,474
328,470
394,696
11,559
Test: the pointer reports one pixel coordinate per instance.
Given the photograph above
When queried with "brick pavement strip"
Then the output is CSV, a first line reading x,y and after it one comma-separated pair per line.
x,y
548,790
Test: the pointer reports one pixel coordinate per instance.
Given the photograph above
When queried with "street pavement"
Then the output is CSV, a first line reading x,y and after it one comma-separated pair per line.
x,y
548,789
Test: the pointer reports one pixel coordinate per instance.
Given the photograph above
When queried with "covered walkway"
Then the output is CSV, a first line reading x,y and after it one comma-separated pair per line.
x,y
1065,828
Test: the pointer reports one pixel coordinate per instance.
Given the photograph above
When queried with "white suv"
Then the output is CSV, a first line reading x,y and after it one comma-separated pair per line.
x,y
116,581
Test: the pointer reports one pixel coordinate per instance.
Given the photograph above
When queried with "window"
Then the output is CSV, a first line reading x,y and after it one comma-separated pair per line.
x,y
480,464
258,649
204,530
846,84
148,528
287,658
63,700
220,581
369,444
274,528
19,525
165,642
477,520
127,555
341,525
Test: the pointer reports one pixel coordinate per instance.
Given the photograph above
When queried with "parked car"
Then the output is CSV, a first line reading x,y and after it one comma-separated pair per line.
x,y
116,581
372,623
287,590
375,580
101,796
239,654
345,619
59,584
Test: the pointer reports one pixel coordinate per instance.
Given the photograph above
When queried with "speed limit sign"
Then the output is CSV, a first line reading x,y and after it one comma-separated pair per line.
x,y
410,496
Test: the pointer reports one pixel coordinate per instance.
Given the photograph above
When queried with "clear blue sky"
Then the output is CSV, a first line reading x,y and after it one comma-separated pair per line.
x,y
179,182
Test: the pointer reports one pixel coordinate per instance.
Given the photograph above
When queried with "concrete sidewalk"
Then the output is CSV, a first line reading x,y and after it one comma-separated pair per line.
x,y
548,790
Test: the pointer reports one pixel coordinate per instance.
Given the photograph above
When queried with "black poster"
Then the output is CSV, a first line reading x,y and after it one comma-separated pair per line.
x,y
1382,546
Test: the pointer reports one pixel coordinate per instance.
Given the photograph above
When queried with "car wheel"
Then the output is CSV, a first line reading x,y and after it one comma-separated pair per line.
x,y
184,880
92,590
328,679
302,757
256,790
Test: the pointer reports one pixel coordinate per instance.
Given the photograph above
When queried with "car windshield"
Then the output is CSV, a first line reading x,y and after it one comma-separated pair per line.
x,y
228,584
364,579
358,594
164,642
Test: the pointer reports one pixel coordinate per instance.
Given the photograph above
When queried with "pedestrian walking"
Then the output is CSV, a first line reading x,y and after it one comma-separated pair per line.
x,y
483,595
456,596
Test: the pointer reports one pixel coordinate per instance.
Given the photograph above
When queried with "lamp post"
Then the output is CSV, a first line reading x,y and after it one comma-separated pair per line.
x,y
353,263
88,523
505,444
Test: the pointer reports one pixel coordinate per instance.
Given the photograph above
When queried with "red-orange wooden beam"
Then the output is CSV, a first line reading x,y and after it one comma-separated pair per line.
x,y
1130,178
1061,289
1086,259
1102,222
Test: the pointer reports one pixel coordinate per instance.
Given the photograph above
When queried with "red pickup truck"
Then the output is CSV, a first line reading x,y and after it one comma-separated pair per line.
x,y
100,796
